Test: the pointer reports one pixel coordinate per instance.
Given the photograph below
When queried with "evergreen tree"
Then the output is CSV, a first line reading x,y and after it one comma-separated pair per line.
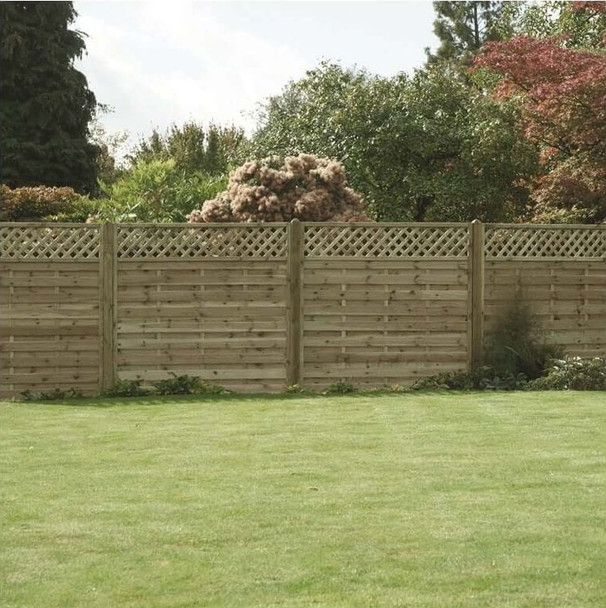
x,y
463,27
45,103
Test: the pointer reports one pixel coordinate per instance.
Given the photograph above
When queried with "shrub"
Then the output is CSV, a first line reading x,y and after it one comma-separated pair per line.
x,y
187,385
294,389
446,381
156,191
340,388
484,378
38,203
53,395
575,374
126,388
276,190
177,385
516,346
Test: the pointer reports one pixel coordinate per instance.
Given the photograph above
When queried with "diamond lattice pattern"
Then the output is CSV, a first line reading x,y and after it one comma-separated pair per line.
x,y
49,243
202,242
545,243
385,241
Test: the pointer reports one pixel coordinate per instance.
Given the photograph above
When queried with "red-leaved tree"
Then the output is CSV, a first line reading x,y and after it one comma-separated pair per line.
x,y
563,97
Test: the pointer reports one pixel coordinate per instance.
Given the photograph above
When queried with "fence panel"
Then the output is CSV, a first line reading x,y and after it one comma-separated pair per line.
x,y
559,272
49,308
384,304
204,301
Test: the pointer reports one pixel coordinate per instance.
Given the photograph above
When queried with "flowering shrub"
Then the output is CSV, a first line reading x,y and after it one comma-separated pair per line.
x,y
276,190
36,203
574,374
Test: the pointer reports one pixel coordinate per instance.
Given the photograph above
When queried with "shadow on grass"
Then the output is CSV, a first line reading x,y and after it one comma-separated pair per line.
x,y
110,402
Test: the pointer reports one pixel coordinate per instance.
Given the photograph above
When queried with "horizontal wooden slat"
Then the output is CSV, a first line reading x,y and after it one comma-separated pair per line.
x,y
49,345
56,330
201,357
357,370
379,340
49,359
379,358
212,375
125,343
51,377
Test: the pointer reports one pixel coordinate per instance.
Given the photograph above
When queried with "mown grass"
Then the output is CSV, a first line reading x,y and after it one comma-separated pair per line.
x,y
434,500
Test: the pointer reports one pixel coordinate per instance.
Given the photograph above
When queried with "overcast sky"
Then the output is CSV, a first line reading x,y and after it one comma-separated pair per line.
x,y
157,63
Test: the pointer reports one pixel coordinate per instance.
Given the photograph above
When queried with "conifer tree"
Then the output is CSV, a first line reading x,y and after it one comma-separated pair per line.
x,y
463,27
46,106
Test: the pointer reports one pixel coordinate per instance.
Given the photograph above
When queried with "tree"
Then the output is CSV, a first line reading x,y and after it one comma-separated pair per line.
x,y
562,92
45,103
277,190
463,27
193,148
580,25
427,148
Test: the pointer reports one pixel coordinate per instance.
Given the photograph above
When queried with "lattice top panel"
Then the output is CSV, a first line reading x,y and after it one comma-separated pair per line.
x,y
185,242
51,242
386,241
544,242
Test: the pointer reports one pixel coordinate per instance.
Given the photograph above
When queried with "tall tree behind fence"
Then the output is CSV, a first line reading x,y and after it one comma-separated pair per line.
x,y
260,307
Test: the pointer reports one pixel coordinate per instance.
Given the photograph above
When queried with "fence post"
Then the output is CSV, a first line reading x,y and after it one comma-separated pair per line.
x,y
294,321
107,312
476,264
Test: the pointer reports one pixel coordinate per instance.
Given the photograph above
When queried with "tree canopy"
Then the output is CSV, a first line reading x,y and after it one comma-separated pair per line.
x,y
45,103
562,94
193,147
520,135
429,147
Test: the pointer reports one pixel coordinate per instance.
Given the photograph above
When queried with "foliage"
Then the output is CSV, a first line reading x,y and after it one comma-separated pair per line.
x,y
53,395
126,388
38,203
463,27
515,345
193,148
574,374
176,385
483,378
187,385
431,147
562,93
580,25
156,191
294,389
340,388
446,381
45,103
275,189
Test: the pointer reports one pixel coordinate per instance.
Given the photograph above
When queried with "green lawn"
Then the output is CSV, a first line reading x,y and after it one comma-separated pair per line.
x,y
432,500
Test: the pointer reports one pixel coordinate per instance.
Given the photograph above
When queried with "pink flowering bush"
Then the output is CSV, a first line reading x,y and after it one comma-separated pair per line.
x,y
276,190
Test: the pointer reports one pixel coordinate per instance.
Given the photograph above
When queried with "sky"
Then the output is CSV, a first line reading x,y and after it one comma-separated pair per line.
x,y
159,63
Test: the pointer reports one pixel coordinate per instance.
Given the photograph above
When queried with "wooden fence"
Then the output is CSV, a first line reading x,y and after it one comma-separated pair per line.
x,y
257,307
